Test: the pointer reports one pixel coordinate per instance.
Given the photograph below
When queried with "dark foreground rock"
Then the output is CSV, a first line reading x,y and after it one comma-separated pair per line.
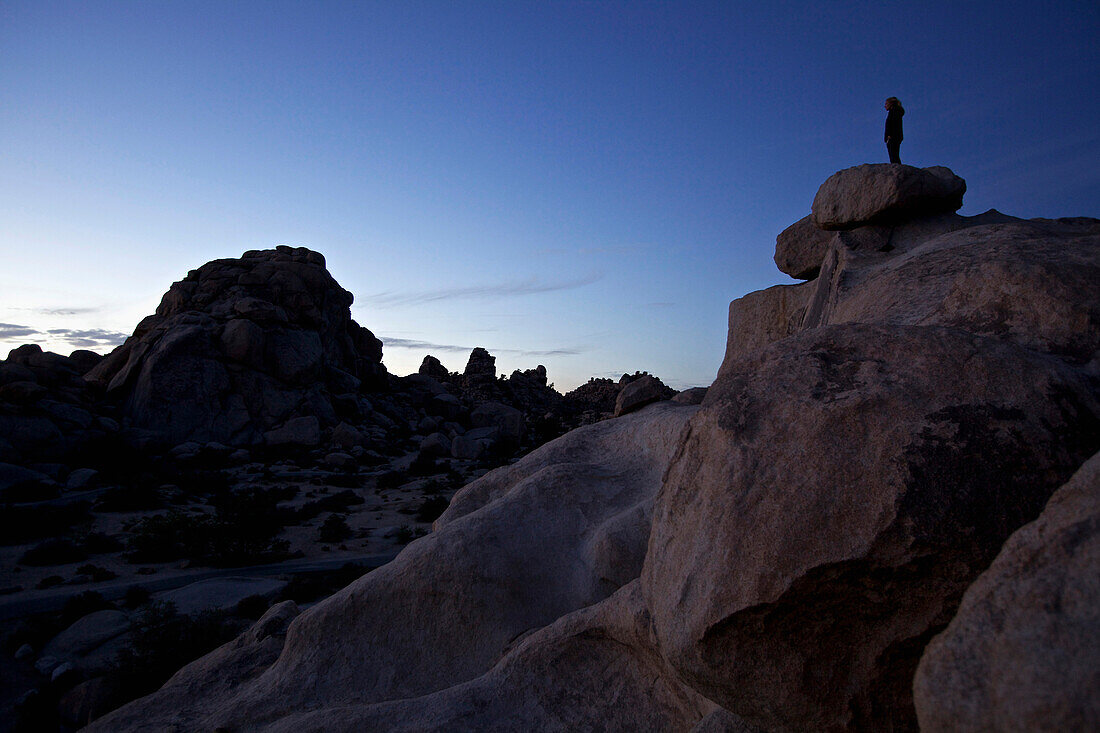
x,y
1022,653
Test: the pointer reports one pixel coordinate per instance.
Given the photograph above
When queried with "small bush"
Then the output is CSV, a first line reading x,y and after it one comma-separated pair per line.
x,y
97,573
97,543
59,551
332,503
334,529
81,605
391,480
129,498
22,524
50,581
431,508
252,607
136,596
423,466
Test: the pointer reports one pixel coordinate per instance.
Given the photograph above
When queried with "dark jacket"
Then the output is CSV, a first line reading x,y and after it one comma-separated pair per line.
x,y
893,125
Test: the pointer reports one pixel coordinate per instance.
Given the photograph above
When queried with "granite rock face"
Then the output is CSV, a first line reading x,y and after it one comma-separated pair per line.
x,y
884,193
1023,653
241,346
861,477
777,558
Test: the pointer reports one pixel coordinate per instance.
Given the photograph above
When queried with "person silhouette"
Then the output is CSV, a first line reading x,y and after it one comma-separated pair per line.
x,y
893,137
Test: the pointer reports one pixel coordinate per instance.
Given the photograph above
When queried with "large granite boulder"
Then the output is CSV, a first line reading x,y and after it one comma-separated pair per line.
x,y
241,346
885,193
1023,652
847,484
800,248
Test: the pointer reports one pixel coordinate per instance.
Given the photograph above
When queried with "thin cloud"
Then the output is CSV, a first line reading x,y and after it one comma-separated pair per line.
x,y
530,286
421,345
429,346
13,331
88,338
65,311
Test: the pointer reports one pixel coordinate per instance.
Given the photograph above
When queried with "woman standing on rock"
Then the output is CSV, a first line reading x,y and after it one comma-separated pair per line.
x,y
894,111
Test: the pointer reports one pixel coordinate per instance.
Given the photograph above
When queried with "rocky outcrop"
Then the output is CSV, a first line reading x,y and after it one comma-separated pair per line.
x,y
47,411
561,529
777,558
1022,653
862,477
241,346
885,193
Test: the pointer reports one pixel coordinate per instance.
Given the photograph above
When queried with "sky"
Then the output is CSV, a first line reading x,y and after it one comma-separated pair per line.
x,y
583,185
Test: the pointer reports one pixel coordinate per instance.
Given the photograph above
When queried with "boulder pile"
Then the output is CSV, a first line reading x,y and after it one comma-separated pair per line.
x,y
244,350
860,507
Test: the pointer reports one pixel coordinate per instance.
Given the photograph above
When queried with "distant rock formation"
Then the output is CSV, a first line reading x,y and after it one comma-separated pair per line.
x,y
778,558
240,347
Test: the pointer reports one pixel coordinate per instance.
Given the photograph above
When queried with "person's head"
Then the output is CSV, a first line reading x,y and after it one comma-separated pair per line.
x,y
893,103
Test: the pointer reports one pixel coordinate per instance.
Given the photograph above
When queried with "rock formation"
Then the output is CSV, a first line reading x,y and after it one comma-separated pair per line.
x,y
239,348
778,558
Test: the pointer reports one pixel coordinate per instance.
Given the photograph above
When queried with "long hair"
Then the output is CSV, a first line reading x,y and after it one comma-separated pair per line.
x,y
894,103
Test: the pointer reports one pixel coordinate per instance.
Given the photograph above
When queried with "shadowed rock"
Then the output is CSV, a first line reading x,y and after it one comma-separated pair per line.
x,y
1023,653
239,347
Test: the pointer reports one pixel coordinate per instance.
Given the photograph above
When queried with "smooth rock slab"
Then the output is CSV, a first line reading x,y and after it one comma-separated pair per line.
x,y
219,593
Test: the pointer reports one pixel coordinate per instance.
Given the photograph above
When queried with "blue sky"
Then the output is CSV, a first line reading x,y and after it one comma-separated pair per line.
x,y
581,185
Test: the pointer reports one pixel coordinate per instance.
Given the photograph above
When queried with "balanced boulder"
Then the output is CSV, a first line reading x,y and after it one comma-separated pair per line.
x,y
885,193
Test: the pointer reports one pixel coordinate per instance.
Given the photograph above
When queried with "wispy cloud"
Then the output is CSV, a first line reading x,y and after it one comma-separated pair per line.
x,y
13,331
421,345
65,311
517,288
88,338
429,346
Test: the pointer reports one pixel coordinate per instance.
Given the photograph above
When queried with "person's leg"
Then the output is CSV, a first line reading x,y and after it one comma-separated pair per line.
x,y
895,151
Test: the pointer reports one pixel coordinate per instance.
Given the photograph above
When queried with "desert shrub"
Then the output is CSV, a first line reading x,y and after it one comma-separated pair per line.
x,y
166,537
30,491
404,535
129,498
97,573
334,529
136,596
50,581
431,508
391,479
97,543
252,607
243,530
22,524
163,641
58,551
331,503
306,587
81,605
423,465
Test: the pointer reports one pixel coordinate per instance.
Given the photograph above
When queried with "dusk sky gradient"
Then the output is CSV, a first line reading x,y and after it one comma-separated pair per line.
x,y
581,185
